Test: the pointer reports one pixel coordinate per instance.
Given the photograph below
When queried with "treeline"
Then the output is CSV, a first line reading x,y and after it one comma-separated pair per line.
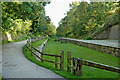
x,y
84,18
25,19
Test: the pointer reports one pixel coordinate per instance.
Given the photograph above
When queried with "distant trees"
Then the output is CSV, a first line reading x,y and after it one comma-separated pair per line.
x,y
25,18
84,18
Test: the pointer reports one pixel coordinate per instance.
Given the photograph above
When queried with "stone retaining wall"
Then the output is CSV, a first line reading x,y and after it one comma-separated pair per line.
x,y
107,49
111,33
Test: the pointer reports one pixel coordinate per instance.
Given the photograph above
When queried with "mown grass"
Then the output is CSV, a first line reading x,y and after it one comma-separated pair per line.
x,y
1,77
78,52
81,52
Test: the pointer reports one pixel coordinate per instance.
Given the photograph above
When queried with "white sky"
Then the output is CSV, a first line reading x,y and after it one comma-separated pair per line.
x,y
56,9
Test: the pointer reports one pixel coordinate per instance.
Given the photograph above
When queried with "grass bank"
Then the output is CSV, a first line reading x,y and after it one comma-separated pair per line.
x,y
1,77
78,52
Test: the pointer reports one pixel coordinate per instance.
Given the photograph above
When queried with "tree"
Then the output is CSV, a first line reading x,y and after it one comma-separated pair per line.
x,y
24,18
84,18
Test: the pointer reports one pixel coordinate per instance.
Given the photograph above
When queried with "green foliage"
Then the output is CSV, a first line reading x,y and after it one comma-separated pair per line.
x,y
84,18
0,76
51,30
25,18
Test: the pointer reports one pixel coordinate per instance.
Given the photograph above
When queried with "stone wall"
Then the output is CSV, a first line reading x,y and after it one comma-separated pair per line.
x,y
111,33
107,49
103,35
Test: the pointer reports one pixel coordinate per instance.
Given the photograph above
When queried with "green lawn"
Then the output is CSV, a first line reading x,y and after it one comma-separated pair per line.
x,y
0,76
78,52
81,52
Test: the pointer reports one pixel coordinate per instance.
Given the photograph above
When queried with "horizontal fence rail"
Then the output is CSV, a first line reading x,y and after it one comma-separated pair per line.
x,y
100,66
51,55
34,53
49,61
36,49
61,56
77,65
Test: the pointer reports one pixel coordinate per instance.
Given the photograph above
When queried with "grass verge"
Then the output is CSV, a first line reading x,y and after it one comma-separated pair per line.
x,y
1,77
77,51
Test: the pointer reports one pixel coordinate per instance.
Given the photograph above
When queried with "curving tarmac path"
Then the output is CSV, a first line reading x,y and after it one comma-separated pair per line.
x,y
15,65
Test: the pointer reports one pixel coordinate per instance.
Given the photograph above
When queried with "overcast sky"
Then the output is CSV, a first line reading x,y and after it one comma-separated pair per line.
x,y
56,9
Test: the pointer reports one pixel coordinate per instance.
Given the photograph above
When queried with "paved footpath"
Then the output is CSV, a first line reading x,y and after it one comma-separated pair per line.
x,y
15,65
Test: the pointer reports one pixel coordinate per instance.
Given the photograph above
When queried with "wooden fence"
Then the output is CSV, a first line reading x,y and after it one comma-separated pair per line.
x,y
77,65
61,56
72,63
34,39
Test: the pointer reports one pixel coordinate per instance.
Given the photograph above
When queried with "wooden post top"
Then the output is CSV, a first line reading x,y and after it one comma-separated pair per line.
x,y
61,51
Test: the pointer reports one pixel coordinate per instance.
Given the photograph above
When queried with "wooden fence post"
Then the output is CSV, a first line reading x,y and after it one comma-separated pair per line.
x,y
61,60
74,66
79,72
37,38
42,57
56,64
27,45
29,42
69,61
31,50
42,54
33,39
